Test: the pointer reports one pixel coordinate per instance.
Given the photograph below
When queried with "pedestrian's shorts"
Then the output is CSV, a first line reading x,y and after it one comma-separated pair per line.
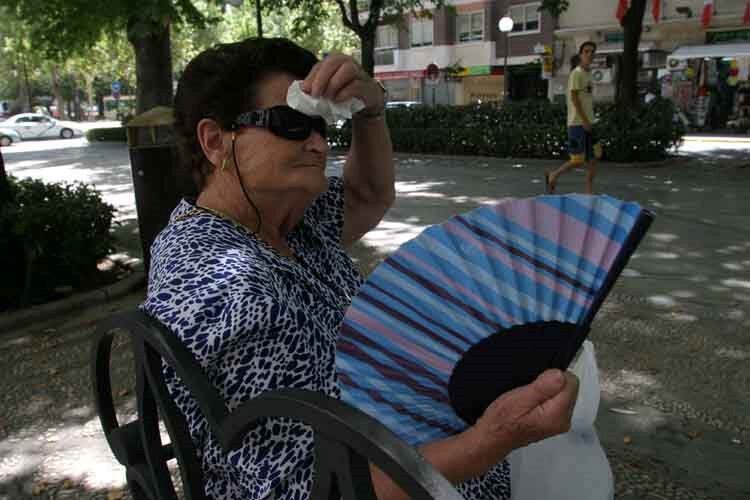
x,y
581,145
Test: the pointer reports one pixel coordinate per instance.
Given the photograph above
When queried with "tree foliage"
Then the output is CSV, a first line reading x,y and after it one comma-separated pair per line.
x,y
555,7
237,23
61,28
20,62
362,22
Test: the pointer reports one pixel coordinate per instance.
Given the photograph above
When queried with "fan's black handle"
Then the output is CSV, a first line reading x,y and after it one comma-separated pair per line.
x,y
509,359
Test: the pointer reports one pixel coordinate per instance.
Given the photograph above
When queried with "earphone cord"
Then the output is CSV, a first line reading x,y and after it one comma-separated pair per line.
x,y
244,191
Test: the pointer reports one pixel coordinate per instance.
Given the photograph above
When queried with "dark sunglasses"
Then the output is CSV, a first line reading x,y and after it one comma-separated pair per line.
x,y
282,121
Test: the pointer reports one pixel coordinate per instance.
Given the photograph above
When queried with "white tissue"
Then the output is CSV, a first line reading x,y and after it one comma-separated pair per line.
x,y
330,111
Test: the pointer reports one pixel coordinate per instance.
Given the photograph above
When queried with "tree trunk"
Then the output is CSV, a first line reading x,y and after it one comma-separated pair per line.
x,y
27,104
259,18
4,186
90,94
632,24
56,91
153,63
367,41
100,106
22,103
77,111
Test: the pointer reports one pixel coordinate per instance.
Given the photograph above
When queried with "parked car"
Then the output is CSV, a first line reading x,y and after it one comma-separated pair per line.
x,y
36,125
8,136
402,104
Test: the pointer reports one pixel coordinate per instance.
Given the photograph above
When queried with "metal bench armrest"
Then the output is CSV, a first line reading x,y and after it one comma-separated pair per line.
x,y
346,439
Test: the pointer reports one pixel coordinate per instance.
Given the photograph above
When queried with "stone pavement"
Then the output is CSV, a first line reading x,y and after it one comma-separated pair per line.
x,y
672,339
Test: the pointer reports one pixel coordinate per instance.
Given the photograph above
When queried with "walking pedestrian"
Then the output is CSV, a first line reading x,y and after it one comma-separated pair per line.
x,y
581,146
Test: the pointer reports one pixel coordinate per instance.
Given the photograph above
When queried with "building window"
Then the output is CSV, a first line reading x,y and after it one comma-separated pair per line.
x,y
470,26
386,37
421,31
526,18
386,41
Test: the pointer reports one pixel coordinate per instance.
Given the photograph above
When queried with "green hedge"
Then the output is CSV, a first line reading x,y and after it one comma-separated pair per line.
x,y
117,134
527,129
53,236
643,134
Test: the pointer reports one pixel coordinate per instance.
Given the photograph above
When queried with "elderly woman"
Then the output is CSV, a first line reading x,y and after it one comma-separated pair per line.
x,y
254,278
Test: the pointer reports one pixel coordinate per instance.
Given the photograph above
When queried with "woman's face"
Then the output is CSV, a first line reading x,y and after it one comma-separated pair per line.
x,y
272,165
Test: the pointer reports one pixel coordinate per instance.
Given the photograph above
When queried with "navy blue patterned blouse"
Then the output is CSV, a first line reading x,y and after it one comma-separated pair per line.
x,y
257,321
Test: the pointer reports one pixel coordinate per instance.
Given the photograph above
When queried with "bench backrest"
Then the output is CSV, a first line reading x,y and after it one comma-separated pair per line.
x,y
346,439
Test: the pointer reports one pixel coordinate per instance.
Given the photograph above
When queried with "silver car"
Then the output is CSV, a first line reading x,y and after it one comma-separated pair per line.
x,y
8,136
36,126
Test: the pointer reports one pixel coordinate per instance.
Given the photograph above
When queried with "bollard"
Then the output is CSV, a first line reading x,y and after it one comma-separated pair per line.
x,y
158,180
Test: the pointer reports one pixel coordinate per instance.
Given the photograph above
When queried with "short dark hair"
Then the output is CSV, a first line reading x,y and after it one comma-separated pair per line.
x,y
587,44
576,59
221,82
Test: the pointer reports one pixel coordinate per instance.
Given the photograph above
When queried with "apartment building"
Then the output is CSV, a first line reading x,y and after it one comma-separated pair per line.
x,y
463,40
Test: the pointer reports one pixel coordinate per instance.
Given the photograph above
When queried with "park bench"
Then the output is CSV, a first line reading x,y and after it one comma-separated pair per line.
x,y
346,440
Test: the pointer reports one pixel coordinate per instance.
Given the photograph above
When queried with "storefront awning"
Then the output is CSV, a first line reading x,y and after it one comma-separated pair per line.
x,y
718,50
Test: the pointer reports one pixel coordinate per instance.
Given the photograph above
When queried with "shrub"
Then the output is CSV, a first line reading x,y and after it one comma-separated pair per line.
x,y
107,134
53,236
527,129
645,133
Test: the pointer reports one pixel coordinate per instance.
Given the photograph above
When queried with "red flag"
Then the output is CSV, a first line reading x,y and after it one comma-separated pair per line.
x,y
708,12
746,19
656,10
622,9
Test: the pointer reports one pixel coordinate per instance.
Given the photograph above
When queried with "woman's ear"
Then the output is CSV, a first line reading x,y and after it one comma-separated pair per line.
x,y
211,137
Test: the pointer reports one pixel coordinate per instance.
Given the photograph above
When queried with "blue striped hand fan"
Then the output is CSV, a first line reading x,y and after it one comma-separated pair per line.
x,y
480,304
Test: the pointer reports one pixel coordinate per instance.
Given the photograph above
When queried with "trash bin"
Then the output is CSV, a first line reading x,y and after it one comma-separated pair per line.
x,y
159,181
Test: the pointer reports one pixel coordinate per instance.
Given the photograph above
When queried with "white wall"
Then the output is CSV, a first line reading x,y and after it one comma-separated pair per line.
x,y
467,54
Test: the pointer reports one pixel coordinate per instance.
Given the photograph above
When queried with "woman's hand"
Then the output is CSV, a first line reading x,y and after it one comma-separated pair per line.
x,y
338,77
524,415
530,413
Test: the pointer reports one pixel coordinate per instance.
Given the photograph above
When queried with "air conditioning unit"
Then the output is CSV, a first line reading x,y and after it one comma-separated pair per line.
x,y
676,64
654,59
599,61
601,75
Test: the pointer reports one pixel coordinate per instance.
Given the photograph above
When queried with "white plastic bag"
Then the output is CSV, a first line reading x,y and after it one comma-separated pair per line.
x,y
571,466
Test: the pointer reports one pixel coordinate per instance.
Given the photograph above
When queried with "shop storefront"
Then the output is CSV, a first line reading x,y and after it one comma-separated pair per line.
x,y
476,84
710,83
480,84
402,85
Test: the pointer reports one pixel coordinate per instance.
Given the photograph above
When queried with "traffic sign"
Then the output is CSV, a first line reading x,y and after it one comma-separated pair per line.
x,y
432,74
116,87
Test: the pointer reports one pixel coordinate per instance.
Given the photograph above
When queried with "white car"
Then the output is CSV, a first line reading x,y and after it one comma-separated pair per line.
x,y
8,136
401,104
35,126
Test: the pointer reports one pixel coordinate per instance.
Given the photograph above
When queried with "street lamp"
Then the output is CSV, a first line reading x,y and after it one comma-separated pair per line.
x,y
505,25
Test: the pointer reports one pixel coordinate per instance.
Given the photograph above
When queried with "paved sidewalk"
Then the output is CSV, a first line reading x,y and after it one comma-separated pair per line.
x,y
672,339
